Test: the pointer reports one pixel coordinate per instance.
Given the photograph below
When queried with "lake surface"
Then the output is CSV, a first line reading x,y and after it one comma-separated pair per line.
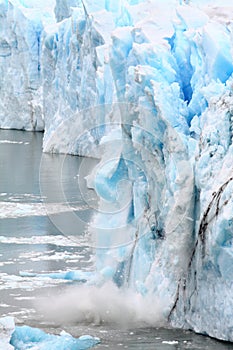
x,y
44,212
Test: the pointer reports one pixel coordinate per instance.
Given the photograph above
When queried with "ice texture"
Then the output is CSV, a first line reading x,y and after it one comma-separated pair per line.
x,y
22,23
33,338
7,327
146,86
24,337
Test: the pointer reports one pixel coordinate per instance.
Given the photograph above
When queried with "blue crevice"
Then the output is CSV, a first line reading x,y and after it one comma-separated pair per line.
x,y
181,51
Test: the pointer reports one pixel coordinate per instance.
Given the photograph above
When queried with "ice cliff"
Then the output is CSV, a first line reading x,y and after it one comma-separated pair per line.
x,y
22,23
147,87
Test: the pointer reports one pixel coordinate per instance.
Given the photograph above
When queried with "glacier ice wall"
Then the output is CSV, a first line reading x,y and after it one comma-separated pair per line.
x,y
22,23
72,71
146,86
206,288
169,73
176,95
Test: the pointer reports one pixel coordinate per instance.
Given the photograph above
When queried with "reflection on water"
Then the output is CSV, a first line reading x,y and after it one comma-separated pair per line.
x,y
38,234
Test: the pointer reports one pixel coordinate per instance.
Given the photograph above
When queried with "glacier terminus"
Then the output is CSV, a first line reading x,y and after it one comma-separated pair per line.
x,y
146,87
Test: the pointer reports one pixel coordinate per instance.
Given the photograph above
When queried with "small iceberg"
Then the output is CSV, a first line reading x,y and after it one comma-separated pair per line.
x,y
78,276
25,338
7,327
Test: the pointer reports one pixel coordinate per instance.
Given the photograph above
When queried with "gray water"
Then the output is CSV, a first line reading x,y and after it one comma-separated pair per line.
x,y
43,229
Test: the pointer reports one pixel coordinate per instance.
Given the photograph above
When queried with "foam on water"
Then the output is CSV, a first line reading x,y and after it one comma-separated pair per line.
x,y
57,240
14,142
16,210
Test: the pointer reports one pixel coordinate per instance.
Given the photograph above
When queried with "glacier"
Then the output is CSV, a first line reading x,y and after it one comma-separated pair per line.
x,y
146,87
20,47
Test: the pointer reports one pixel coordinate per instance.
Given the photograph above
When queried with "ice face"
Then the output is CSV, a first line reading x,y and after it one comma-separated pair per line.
x,y
147,88
208,276
168,239
22,23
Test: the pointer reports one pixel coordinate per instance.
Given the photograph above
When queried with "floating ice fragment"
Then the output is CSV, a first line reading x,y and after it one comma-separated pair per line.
x,y
70,275
33,338
7,327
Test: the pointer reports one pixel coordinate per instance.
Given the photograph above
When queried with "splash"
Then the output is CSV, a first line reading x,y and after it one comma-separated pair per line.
x,y
103,305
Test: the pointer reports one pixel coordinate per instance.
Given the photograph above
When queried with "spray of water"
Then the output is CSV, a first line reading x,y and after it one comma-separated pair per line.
x,y
103,305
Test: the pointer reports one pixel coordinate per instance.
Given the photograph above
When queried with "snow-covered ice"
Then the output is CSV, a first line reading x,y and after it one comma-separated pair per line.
x,y
7,327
